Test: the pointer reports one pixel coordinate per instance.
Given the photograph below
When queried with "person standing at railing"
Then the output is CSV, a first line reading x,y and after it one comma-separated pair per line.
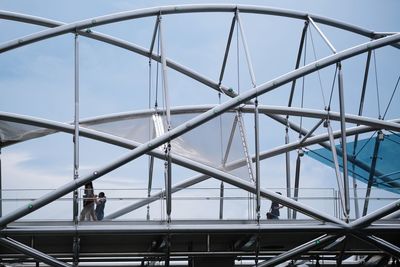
x,y
274,210
89,199
100,204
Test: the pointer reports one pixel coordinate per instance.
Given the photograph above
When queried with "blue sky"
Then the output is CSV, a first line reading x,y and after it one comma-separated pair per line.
x,y
38,79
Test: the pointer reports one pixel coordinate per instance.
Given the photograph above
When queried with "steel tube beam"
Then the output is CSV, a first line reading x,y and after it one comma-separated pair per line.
x,y
228,46
257,159
344,142
318,242
135,14
150,183
228,146
117,141
296,182
287,163
68,125
140,150
246,50
379,243
153,39
168,113
375,215
322,35
157,196
299,53
76,132
221,201
337,170
60,126
311,132
123,44
122,142
263,109
164,71
24,249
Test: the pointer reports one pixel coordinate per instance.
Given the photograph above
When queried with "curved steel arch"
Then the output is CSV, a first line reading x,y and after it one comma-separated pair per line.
x,y
198,8
167,10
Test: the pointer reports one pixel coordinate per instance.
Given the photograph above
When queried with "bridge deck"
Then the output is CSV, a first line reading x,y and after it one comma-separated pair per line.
x,y
120,240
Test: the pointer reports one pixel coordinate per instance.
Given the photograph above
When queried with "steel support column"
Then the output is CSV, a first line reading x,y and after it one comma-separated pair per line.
x,y
297,181
371,176
344,142
149,185
221,201
167,148
337,170
257,160
76,125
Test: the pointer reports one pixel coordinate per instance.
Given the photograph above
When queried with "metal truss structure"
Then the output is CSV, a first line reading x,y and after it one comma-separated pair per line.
x,y
372,238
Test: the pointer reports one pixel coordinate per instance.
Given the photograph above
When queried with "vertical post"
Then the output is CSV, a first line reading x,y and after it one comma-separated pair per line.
x,y
360,111
378,139
287,157
76,132
257,146
168,113
164,71
221,201
344,142
336,163
169,181
297,181
76,152
149,186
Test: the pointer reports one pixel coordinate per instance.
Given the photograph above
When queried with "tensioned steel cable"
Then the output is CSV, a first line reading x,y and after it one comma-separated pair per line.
x,y
391,98
237,58
369,139
157,70
318,72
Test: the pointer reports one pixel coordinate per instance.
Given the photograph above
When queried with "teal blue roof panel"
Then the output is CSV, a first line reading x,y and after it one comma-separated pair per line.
x,y
387,169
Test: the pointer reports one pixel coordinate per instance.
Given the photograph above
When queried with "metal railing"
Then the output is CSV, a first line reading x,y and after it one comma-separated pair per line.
x,y
199,203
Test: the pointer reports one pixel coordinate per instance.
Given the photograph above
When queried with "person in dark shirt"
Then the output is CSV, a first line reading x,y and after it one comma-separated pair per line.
x,y
100,204
274,210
